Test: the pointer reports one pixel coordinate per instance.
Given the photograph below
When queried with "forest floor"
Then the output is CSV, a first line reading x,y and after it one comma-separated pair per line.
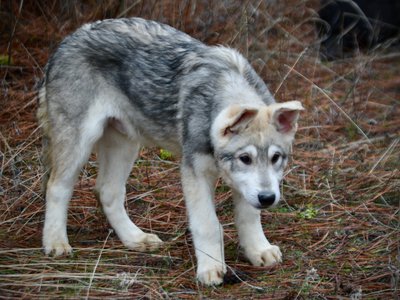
x,y
338,225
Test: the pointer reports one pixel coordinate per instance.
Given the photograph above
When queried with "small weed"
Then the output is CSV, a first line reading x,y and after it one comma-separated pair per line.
x,y
311,280
222,188
126,280
165,154
309,213
5,60
352,131
281,209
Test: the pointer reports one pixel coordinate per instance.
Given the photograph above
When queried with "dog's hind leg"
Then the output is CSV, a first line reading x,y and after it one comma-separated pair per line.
x,y
67,157
116,155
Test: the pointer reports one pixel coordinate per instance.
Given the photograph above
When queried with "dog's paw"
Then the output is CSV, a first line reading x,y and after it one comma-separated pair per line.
x,y
211,276
145,241
264,257
57,248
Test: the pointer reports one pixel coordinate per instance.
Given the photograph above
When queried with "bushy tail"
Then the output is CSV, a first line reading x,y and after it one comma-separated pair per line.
x,y
43,118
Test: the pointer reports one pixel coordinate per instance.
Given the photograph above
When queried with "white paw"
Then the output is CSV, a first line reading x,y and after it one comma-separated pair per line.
x,y
57,248
267,256
143,242
211,276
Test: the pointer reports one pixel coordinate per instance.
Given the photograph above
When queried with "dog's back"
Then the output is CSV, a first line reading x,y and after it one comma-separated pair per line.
x,y
125,57
158,75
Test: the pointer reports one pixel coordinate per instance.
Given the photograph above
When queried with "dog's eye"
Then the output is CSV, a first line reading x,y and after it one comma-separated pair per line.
x,y
245,158
275,157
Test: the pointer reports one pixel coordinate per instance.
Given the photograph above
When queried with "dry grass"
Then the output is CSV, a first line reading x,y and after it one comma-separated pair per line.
x,y
338,226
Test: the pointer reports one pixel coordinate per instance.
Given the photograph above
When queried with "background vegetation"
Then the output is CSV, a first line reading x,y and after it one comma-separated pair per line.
x,y
339,222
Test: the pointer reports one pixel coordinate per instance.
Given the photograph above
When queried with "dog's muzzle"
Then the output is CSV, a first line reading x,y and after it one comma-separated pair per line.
x,y
266,199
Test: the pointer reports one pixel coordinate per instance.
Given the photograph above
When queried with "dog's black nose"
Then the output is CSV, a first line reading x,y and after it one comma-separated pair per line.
x,y
266,199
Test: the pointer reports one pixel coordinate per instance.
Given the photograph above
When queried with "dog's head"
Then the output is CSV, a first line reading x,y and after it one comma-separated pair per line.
x,y
252,145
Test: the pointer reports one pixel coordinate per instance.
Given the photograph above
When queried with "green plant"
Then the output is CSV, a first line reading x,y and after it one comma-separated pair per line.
x,y
308,213
165,154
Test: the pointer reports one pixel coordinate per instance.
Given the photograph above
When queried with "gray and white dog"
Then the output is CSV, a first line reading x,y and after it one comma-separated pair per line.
x,y
115,85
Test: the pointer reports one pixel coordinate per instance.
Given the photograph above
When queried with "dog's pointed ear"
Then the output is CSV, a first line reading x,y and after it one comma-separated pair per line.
x,y
238,118
231,121
285,116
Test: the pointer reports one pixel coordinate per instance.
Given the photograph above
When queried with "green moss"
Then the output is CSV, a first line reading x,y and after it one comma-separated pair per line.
x,y
281,209
351,131
5,60
165,154
222,188
309,213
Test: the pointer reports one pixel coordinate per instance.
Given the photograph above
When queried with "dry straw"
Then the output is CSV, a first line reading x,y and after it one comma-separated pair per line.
x,y
338,226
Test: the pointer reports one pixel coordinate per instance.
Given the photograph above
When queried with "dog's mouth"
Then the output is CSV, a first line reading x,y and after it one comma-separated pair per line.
x,y
265,206
262,200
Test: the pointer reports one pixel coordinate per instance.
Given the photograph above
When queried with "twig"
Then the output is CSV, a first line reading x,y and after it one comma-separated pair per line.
x,y
97,263
332,101
388,150
290,70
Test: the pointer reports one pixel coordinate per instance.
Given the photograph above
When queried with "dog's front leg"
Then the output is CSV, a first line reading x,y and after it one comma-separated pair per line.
x,y
207,232
252,239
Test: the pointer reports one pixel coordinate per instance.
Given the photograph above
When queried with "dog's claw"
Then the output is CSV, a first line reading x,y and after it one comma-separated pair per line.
x,y
211,277
266,257
211,272
145,242
58,249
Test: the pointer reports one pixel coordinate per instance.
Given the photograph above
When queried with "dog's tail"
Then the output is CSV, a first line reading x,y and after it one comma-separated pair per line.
x,y
43,119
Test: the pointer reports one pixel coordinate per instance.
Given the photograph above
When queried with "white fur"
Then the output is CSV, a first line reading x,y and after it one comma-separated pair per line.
x,y
55,229
198,186
116,155
118,148
116,152
251,235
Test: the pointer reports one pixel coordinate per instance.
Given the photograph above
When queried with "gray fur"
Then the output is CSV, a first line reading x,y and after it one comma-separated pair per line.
x,y
115,85
167,76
